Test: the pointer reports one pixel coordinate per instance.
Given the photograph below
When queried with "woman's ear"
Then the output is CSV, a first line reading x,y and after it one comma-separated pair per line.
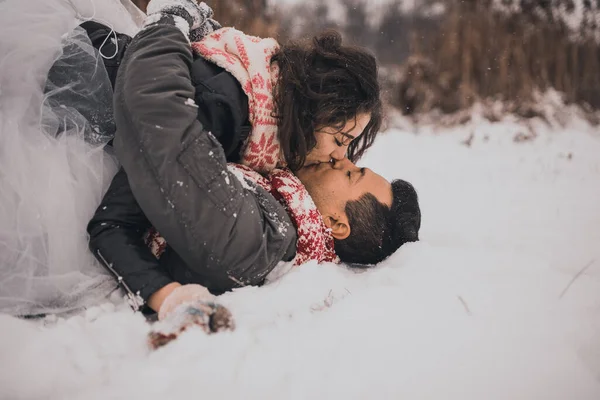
x,y
340,228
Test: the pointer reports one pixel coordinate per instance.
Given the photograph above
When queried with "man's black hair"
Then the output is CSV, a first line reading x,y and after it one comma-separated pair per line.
x,y
376,230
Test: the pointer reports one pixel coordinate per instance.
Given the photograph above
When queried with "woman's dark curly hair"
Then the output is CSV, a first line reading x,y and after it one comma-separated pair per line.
x,y
323,83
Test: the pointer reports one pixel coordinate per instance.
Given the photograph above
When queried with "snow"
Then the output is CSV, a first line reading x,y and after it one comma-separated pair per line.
x,y
226,177
499,300
191,103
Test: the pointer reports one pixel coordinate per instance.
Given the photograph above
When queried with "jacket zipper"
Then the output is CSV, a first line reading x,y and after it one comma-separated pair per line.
x,y
134,299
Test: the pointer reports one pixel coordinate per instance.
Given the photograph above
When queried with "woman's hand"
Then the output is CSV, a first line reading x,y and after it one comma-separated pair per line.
x,y
186,294
185,306
192,18
157,299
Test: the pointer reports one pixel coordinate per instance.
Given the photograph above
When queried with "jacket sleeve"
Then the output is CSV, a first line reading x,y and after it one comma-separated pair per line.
x,y
117,240
178,171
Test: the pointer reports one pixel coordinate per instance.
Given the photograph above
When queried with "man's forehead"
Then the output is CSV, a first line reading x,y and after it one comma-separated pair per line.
x,y
380,187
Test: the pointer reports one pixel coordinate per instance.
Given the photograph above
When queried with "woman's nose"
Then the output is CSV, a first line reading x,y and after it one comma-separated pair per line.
x,y
339,153
341,164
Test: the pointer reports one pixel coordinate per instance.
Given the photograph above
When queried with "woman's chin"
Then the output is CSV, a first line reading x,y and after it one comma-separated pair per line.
x,y
308,172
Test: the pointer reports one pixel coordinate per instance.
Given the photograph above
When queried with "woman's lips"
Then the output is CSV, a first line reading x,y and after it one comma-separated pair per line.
x,y
310,163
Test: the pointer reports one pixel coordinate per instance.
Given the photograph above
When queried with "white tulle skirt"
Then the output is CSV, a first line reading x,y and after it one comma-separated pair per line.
x,y
53,168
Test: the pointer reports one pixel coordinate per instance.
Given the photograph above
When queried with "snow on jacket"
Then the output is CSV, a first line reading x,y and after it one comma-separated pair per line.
x,y
179,174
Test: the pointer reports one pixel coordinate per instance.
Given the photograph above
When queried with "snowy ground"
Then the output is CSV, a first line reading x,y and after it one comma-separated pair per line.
x,y
499,300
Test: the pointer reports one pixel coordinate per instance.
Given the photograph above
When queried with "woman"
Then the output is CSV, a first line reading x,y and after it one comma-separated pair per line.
x,y
293,106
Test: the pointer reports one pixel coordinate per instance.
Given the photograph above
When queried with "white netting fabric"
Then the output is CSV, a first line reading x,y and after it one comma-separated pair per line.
x,y
55,117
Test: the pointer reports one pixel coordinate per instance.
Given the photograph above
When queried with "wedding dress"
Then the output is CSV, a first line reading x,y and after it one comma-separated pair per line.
x,y
55,119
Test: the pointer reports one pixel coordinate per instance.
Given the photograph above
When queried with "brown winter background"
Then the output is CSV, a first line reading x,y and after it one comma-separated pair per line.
x,y
446,61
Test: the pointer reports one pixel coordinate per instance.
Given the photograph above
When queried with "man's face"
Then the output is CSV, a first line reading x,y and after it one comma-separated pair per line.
x,y
332,185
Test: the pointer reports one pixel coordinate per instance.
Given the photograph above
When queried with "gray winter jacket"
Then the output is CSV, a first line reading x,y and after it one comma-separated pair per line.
x,y
226,234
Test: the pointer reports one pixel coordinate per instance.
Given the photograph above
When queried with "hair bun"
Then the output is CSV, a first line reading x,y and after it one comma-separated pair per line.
x,y
329,41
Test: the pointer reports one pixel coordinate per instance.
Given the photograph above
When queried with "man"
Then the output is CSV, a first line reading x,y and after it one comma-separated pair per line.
x,y
225,226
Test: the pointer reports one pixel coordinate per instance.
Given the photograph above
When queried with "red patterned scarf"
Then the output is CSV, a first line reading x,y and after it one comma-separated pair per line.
x,y
248,59
315,242
314,238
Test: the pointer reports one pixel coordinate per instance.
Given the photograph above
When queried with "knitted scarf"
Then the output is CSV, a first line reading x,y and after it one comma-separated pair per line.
x,y
314,238
248,59
315,242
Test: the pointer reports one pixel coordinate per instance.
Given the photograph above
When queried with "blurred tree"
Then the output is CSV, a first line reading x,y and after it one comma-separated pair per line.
x,y
392,42
305,19
507,50
250,16
357,27
400,32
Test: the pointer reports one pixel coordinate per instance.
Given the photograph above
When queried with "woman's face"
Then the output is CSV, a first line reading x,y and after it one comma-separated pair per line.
x,y
332,143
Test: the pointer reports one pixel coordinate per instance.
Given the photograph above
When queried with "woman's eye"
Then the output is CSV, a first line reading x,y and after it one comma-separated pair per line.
x,y
338,143
349,174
